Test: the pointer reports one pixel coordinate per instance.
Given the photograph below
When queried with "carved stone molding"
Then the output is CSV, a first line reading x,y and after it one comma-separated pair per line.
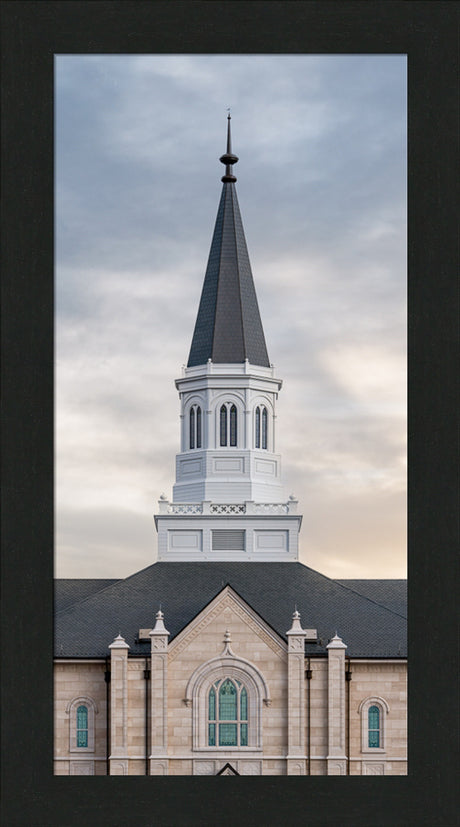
x,y
230,602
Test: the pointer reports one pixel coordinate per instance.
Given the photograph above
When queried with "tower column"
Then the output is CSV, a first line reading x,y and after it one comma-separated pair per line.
x,y
159,697
296,759
336,758
118,707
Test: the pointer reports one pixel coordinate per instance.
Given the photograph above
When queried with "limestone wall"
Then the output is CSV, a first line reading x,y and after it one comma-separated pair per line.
x,y
386,681
73,680
372,681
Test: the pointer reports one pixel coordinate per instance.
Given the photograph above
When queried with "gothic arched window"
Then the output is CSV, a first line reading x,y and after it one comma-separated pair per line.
x,y
264,427
228,425
192,427
223,425
233,433
198,427
195,427
228,714
261,428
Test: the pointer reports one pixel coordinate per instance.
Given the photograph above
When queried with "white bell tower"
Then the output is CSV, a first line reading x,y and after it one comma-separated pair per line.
x,y
228,501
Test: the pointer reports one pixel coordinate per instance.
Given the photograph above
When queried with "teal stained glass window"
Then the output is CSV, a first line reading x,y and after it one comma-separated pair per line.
x,y
212,705
244,705
257,427
227,701
373,726
212,735
227,735
82,726
228,714
244,735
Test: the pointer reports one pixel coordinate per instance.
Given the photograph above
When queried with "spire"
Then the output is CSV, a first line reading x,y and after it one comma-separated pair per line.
x,y
228,159
228,328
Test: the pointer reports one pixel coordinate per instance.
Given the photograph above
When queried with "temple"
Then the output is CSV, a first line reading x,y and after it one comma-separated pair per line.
x,y
227,656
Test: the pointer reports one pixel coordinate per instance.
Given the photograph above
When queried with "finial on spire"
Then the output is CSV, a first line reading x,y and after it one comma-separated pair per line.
x,y
229,158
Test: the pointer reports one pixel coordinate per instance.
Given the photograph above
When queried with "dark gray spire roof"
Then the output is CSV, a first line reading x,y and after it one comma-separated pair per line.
x,y
228,326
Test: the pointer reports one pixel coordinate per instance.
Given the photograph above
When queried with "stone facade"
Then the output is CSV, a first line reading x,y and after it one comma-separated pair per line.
x,y
157,705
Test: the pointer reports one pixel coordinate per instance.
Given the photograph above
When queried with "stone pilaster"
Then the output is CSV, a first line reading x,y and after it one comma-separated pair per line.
x,y
119,707
336,757
159,698
296,760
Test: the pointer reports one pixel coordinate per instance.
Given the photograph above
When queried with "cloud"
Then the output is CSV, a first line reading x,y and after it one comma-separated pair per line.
x,y
321,185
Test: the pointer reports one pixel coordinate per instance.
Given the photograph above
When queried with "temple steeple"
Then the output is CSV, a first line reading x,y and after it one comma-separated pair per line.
x,y
228,500
228,328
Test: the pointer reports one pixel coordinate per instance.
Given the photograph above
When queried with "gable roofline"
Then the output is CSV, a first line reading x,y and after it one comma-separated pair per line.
x,y
239,599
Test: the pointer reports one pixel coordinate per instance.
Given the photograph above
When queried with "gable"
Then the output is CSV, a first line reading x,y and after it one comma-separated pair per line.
x,y
227,611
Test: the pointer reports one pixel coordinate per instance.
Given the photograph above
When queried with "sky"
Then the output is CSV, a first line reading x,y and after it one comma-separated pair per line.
x,y
322,191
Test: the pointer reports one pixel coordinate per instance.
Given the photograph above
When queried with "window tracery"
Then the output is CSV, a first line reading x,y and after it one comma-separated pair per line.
x,y
228,714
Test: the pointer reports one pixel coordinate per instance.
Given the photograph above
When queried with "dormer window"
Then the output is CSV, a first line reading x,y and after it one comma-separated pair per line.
x,y
195,427
261,427
228,425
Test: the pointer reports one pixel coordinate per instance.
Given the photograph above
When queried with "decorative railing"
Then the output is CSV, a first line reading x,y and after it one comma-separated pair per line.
x,y
206,507
185,508
230,508
271,508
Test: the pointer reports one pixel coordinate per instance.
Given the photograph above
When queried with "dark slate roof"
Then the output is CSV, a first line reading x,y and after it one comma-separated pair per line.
x,y
389,593
370,629
228,326
68,592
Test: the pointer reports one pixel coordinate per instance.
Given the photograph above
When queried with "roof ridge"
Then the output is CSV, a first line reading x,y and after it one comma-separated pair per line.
x,y
238,268
218,284
99,592
375,602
